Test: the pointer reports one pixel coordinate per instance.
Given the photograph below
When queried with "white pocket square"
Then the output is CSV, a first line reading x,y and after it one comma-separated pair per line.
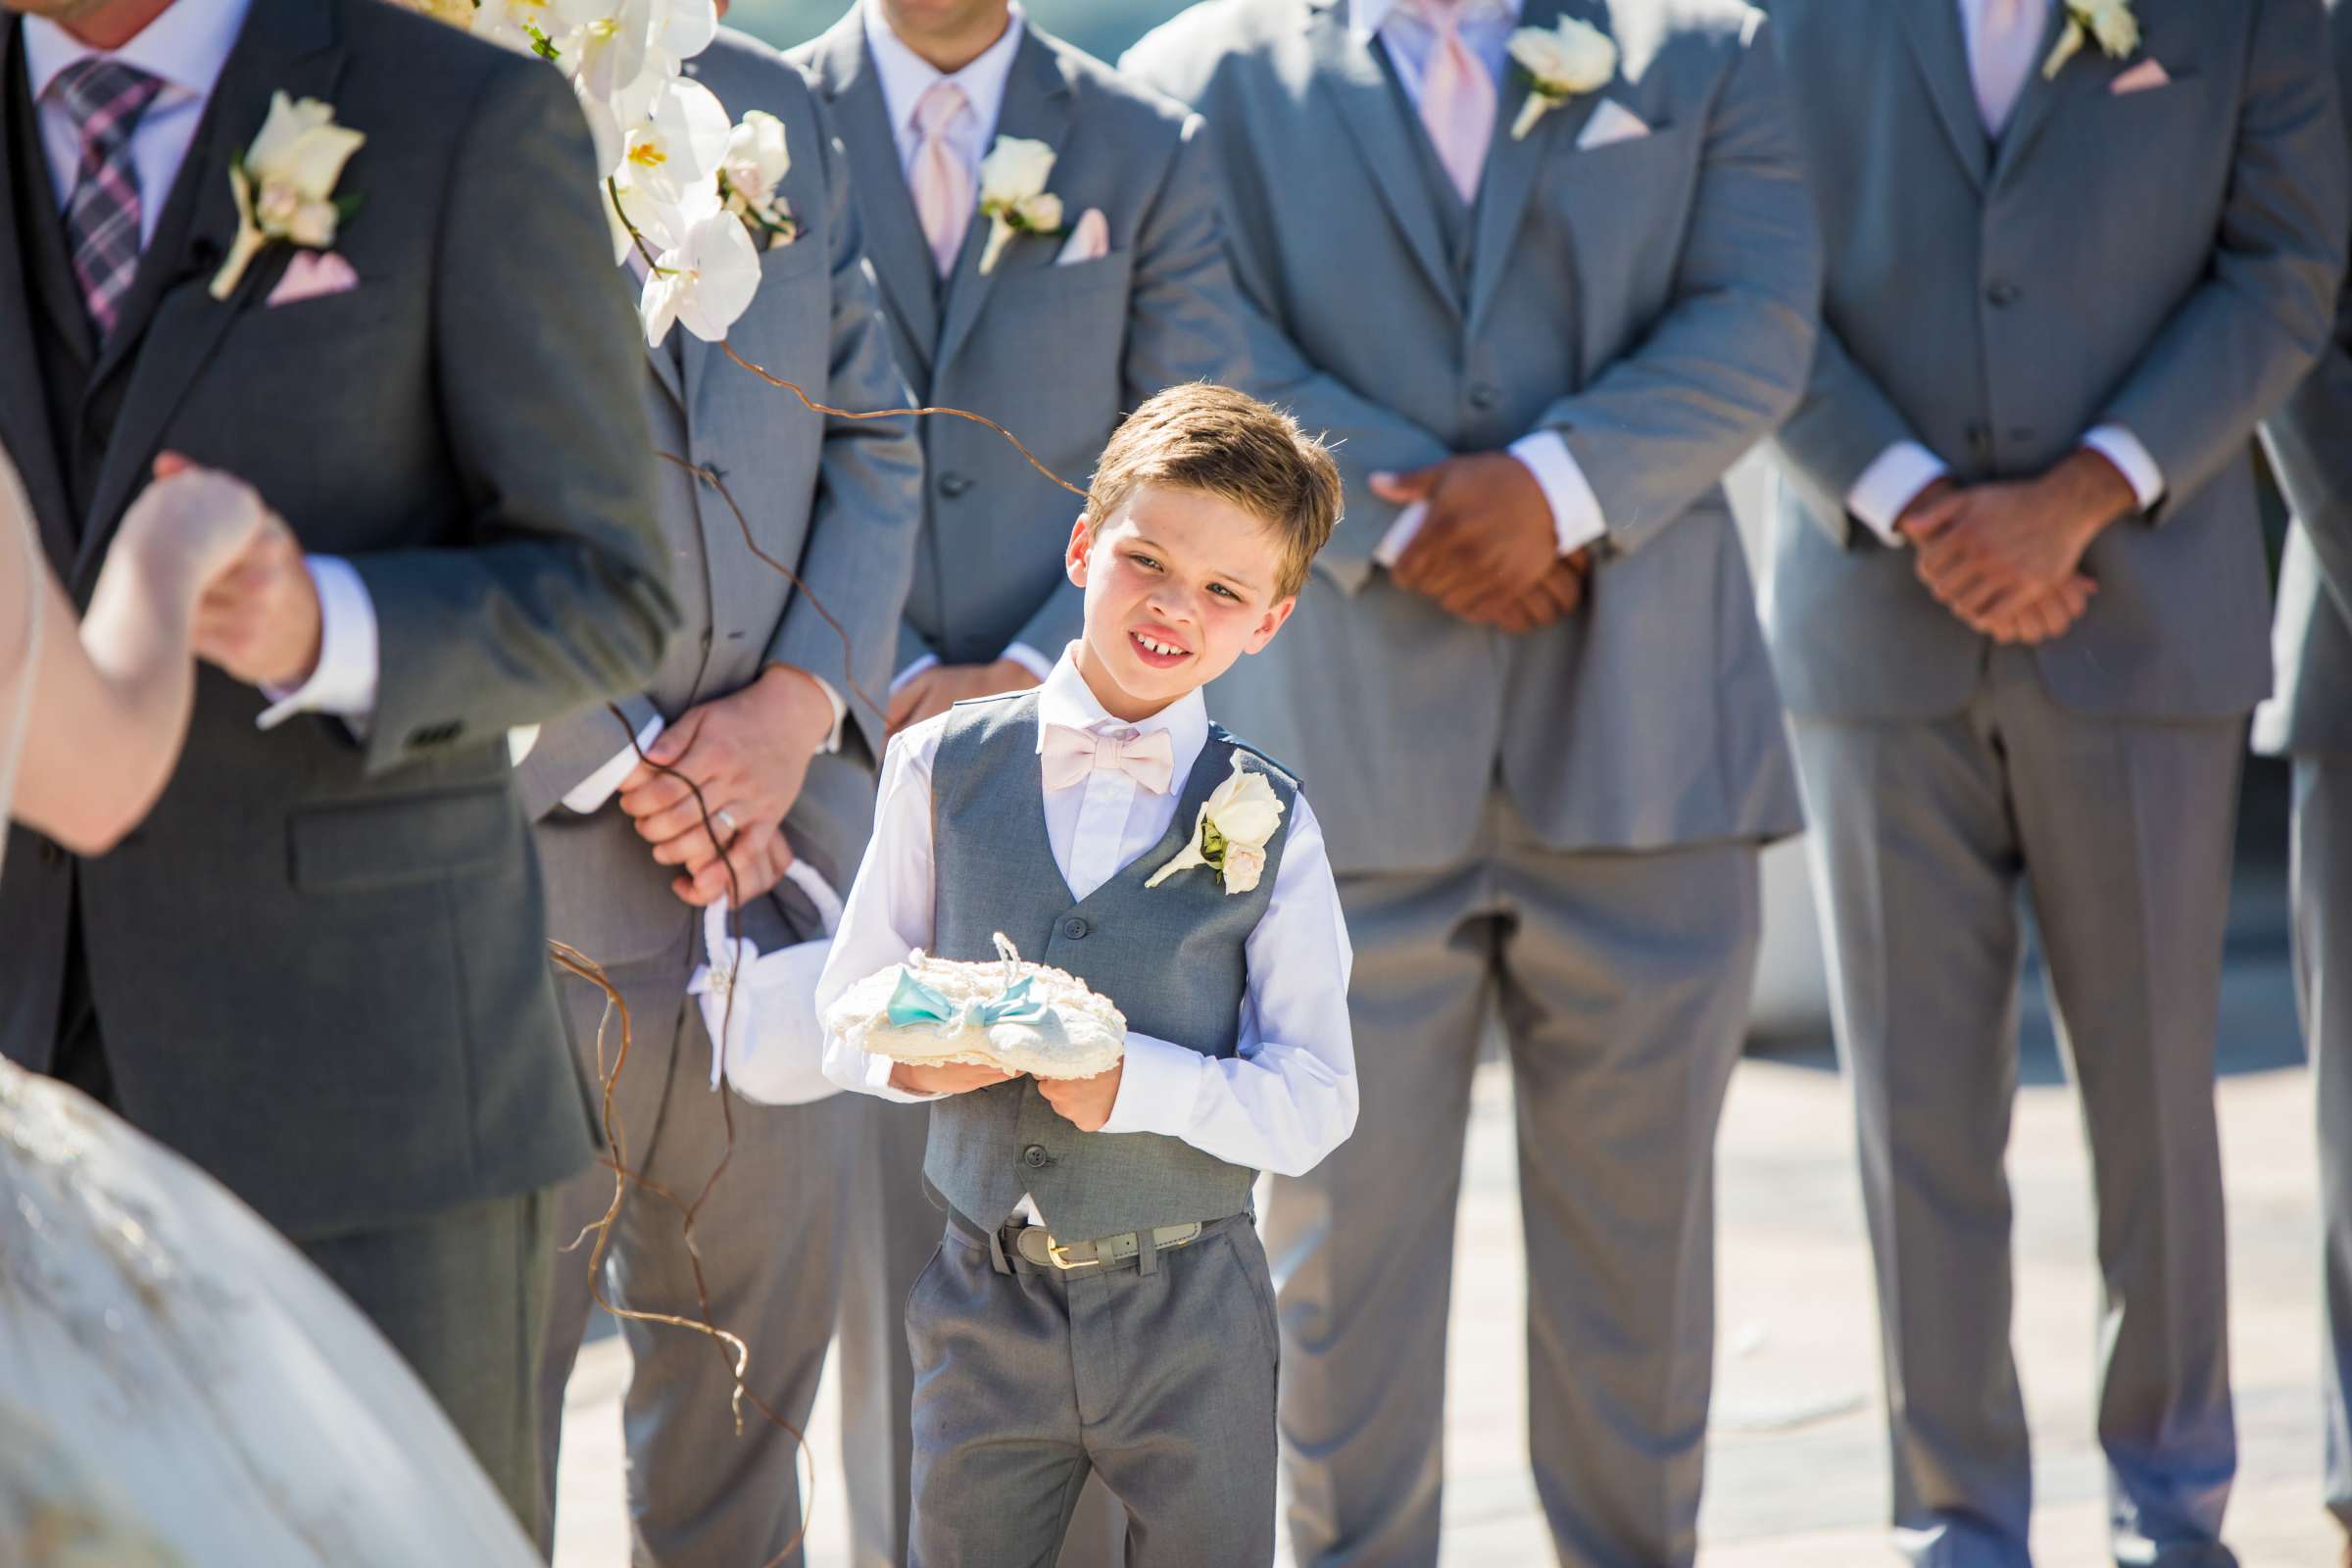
x,y
313,274
2147,74
1611,123
1090,239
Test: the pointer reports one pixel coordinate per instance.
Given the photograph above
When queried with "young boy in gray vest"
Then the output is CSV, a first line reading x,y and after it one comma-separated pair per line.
x,y
1099,1301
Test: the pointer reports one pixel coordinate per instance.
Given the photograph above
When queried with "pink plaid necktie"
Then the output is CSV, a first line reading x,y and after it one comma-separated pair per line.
x,y
1457,99
1071,755
943,186
105,99
2000,56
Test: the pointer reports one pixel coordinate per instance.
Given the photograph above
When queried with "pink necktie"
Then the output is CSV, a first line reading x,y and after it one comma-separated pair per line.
x,y
943,186
1071,755
1457,99
2000,55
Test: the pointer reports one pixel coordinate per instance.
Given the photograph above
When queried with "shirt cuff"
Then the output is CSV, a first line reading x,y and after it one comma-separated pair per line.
x,y
841,714
927,661
1392,546
1575,508
344,683
1030,659
2122,447
590,794
1889,486
1158,1082
874,1079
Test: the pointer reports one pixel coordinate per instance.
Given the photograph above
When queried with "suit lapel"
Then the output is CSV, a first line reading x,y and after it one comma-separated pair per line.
x,y
24,426
2043,94
289,46
1512,166
1940,51
894,234
1038,107
1368,106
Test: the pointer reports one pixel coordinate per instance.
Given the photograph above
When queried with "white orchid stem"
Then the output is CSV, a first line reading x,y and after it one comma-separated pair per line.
x,y
2069,43
1539,103
249,241
1000,235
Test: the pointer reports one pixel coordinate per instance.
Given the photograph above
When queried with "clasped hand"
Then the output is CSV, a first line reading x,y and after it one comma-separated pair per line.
x,y
1488,550
2005,558
257,613
1084,1103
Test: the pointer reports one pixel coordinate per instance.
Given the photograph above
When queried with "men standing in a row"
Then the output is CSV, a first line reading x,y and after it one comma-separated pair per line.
x,y
771,710
1544,722
2018,607
1058,335
2309,719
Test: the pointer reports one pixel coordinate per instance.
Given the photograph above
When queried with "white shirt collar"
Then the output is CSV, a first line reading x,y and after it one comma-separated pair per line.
x,y
184,48
1366,18
906,76
1066,699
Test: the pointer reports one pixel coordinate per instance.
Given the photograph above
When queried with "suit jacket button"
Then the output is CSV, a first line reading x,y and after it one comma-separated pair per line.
x,y
1075,929
2001,294
953,485
1033,1156
51,854
1484,395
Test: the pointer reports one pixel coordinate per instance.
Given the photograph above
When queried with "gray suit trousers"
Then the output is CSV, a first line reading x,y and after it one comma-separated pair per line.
x,y
699,1497
1623,981
2323,901
1160,1381
2121,834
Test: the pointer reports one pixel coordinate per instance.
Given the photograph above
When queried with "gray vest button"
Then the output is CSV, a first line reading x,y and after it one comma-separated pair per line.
x,y
1033,1156
1075,929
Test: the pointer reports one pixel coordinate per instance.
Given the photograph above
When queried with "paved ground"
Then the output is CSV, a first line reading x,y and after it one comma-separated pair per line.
x,y
1796,1477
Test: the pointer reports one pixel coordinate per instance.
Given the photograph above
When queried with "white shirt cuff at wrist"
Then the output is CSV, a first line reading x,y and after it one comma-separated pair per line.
x,y
874,1079
2122,447
1158,1082
590,794
344,682
1575,508
1392,546
927,661
841,715
1030,659
1889,486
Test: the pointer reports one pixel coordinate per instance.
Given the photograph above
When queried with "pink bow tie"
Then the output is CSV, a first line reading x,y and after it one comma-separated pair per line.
x,y
1072,754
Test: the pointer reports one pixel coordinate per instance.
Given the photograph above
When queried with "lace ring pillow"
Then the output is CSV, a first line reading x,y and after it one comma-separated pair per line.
x,y
1015,1016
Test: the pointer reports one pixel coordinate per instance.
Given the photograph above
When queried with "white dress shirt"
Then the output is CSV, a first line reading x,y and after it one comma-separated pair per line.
x,y
1895,477
1287,1097
905,78
185,48
1486,27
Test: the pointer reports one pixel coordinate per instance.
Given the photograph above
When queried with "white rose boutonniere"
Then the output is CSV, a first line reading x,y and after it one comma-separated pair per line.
x,y
2109,21
1013,197
1231,833
285,184
756,163
1570,59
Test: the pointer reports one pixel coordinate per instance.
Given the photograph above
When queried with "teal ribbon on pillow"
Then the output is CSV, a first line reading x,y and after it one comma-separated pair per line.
x,y
916,1005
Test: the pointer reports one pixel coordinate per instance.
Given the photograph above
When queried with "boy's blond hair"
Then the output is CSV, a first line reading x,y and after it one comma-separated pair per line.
x,y
1210,438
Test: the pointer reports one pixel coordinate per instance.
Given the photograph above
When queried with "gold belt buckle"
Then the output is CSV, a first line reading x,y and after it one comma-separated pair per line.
x,y
1055,1250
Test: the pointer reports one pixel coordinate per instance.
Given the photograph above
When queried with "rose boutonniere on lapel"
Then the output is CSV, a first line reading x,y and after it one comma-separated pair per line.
x,y
1231,833
2109,21
1562,63
285,184
1013,197
756,164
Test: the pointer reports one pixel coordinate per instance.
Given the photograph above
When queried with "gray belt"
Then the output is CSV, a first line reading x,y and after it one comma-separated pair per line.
x,y
1037,1247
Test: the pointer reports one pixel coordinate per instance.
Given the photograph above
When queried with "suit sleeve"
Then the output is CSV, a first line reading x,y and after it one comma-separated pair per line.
x,y
569,749
1725,360
1367,437
859,554
547,592
2236,345
2311,436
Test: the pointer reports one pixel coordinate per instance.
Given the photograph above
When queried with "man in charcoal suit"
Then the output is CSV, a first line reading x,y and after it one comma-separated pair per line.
x,y
1527,688
2017,608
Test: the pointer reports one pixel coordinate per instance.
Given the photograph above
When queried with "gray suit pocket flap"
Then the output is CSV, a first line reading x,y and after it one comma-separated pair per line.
x,y
402,842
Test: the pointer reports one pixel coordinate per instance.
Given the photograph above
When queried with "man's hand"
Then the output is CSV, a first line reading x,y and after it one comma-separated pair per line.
x,y
1557,595
1488,534
259,621
749,754
1084,1103
941,686
944,1078
1994,553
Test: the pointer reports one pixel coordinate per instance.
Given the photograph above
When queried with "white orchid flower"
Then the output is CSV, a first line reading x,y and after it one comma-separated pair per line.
x,y
602,45
2109,21
756,159
679,145
704,285
286,183
1013,195
1561,62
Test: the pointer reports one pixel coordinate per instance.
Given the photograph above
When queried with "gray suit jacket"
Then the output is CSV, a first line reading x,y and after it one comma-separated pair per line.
x,y
2310,440
835,499
2164,260
1056,353
1651,299
319,966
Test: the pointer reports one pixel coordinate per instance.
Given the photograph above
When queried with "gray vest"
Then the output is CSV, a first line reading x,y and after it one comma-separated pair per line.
x,y
1171,958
